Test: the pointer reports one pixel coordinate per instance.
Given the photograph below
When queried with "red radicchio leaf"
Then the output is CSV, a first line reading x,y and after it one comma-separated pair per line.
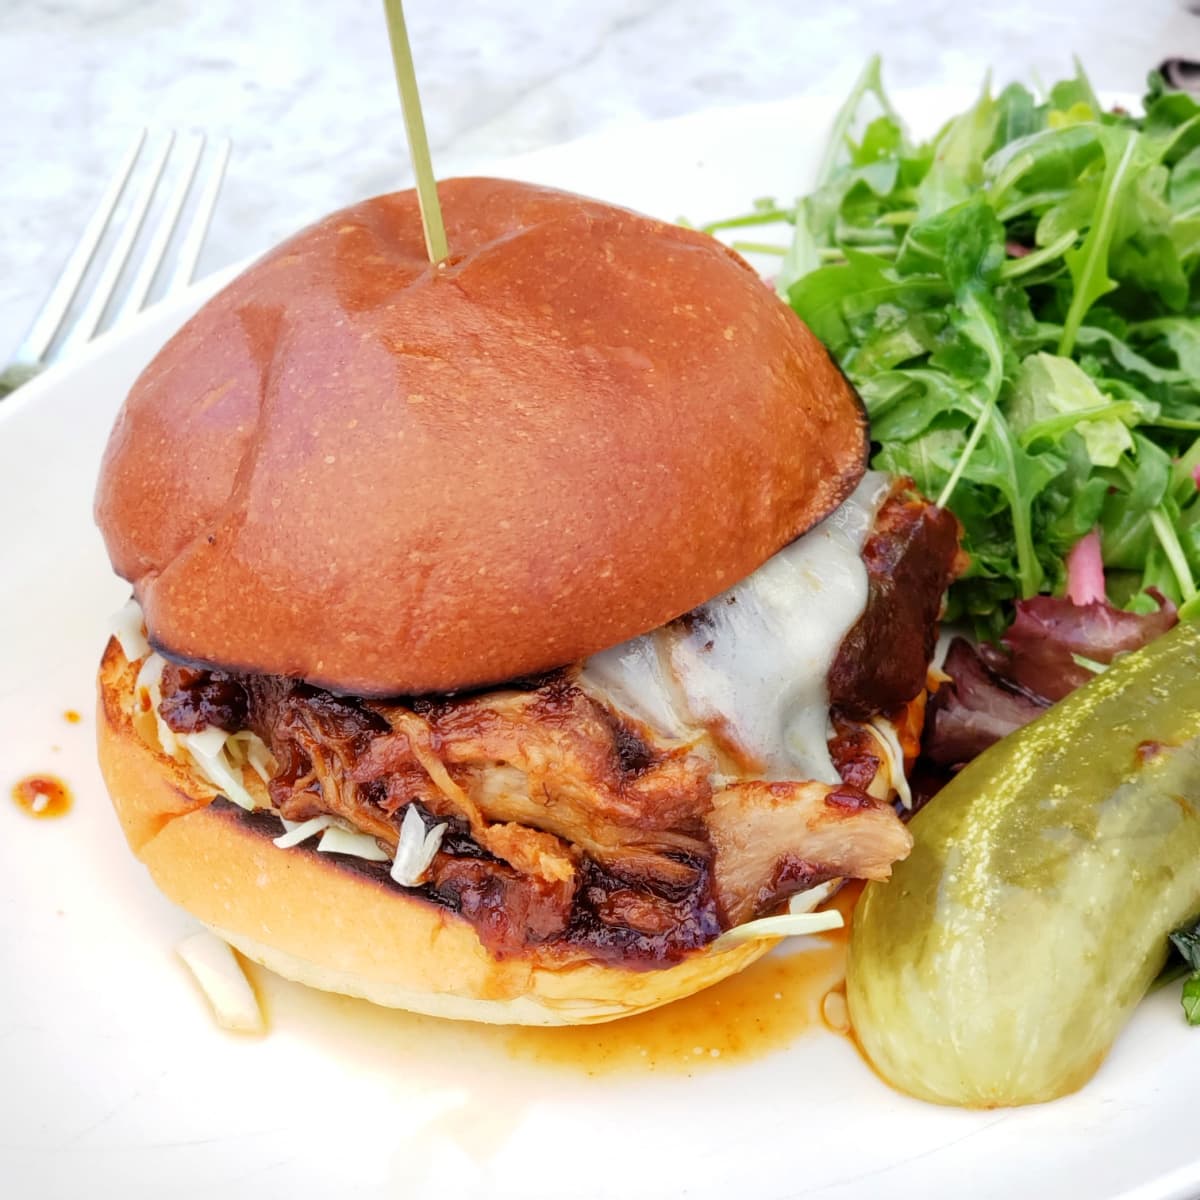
x,y
976,708
1049,632
994,691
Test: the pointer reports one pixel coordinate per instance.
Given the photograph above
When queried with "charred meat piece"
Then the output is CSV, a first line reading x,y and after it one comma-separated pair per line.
x,y
912,556
856,753
775,839
194,700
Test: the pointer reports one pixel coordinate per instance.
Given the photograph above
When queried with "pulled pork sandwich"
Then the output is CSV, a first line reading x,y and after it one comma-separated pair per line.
x,y
508,633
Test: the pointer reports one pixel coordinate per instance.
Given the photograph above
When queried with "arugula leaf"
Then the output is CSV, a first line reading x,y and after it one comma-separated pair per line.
x,y
802,254
958,154
1070,508
1173,121
1149,474
1074,93
965,244
1089,263
1142,523
1182,338
904,404
1186,943
1046,161
1016,116
831,298
1183,190
1191,999
1123,356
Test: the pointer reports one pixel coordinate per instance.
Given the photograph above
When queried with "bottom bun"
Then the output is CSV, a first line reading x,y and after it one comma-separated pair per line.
x,y
338,924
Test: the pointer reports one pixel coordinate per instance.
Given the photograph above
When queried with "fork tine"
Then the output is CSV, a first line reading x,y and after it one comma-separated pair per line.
x,y
189,252
157,250
47,323
97,305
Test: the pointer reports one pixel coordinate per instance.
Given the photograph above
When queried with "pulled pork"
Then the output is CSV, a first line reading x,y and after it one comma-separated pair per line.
x,y
573,831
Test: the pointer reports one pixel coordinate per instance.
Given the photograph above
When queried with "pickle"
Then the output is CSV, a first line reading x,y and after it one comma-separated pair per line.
x,y
1001,960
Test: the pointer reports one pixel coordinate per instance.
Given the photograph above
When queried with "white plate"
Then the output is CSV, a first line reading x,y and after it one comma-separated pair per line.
x,y
114,1080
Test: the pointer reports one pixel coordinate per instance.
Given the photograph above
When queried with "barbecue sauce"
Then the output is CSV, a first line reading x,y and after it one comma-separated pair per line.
x,y
42,796
745,1017
764,1009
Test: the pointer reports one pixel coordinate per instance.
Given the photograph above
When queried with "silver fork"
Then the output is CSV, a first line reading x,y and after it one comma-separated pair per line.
x,y
51,336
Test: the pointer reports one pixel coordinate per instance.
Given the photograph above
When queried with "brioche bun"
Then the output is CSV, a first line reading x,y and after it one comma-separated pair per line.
x,y
390,479
337,923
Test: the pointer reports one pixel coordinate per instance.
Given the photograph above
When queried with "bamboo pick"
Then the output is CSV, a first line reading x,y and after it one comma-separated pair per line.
x,y
414,125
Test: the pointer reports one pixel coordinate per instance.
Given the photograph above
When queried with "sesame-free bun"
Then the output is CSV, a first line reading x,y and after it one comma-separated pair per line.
x,y
336,923
387,478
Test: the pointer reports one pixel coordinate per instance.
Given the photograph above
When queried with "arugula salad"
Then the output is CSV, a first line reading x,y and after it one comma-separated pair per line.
x,y
1017,301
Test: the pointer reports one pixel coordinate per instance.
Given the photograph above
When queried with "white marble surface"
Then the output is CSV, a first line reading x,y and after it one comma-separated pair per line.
x,y
304,87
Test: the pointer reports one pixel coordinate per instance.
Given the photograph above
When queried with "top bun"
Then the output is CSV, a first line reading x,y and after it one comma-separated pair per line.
x,y
390,479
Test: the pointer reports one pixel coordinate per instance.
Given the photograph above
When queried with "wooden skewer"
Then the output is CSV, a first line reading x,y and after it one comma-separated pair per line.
x,y
418,143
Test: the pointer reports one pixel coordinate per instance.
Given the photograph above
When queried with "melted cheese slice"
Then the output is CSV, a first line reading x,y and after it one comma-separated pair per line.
x,y
750,668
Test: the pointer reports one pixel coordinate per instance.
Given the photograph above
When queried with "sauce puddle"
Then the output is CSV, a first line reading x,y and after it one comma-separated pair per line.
x,y
762,1009
779,998
42,796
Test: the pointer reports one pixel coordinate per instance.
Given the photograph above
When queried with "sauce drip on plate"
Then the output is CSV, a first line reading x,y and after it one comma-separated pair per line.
x,y
765,1008
42,796
762,1010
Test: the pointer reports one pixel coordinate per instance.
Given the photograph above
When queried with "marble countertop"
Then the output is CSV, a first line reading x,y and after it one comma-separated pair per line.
x,y
306,94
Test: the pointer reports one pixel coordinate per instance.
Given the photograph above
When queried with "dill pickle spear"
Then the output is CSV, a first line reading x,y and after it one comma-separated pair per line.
x,y
1001,960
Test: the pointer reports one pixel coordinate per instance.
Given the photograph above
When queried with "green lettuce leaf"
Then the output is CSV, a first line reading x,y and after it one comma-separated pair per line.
x,y
1053,396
